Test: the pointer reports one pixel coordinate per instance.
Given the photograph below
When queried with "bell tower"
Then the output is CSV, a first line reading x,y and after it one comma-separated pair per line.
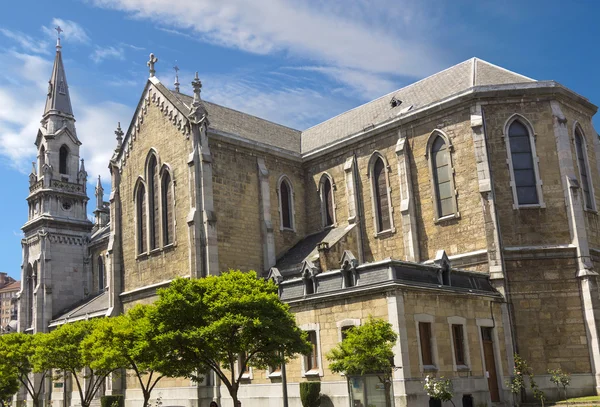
x,y
57,229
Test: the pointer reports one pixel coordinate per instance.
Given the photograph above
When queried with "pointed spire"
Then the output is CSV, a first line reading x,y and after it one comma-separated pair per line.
x,y
176,68
82,166
197,85
99,194
119,133
58,100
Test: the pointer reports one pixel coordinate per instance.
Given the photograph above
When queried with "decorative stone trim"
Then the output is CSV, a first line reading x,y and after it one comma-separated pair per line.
x,y
407,205
434,352
268,244
345,323
314,372
67,239
456,320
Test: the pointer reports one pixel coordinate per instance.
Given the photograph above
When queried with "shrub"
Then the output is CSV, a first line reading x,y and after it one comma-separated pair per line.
x,y
310,394
116,400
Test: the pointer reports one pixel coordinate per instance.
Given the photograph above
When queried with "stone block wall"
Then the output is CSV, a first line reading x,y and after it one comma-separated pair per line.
x,y
173,149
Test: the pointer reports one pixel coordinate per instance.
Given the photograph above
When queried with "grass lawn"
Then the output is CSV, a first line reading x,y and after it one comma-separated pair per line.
x,y
581,400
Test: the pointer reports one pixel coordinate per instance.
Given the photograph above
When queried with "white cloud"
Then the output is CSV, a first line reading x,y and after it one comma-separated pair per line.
x,y
72,32
361,37
100,54
26,42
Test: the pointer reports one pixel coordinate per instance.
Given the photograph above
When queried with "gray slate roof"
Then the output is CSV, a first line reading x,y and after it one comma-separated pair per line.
x,y
58,98
253,128
441,85
89,306
435,88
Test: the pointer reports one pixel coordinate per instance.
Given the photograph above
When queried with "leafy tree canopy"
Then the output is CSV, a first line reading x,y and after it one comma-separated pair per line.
x,y
208,323
366,349
9,384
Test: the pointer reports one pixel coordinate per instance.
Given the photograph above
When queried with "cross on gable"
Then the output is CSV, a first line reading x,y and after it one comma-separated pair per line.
x,y
151,63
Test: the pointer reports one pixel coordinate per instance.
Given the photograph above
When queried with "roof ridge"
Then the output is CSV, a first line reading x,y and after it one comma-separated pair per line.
x,y
238,111
504,69
391,93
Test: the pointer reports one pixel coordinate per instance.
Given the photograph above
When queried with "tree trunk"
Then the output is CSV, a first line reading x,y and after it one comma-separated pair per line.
x,y
146,399
387,385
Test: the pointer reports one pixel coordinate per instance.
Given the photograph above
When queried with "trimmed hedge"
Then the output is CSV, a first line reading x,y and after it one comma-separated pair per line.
x,y
109,401
310,394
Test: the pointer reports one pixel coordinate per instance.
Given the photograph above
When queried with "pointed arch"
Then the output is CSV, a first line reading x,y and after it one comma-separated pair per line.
x,y
41,160
285,192
141,215
379,175
63,159
441,171
167,194
30,289
326,193
523,162
101,273
583,166
152,177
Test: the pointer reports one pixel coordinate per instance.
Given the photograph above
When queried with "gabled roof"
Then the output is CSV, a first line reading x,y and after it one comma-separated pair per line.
x,y
467,74
14,286
90,307
245,125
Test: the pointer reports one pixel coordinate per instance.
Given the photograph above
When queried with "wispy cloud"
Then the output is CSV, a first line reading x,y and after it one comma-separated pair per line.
x,y
360,37
72,31
102,53
26,42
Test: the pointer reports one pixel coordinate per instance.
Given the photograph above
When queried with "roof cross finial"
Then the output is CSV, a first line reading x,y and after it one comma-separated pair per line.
x,y
119,133
176,68
151,63
58,31
197,85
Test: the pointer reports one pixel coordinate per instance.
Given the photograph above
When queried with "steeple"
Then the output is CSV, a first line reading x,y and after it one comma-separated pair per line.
x,y
58,99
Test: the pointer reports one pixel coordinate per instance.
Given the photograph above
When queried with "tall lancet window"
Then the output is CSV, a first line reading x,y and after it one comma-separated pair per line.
x,y
42,160
63,161
442,176
167,208
286,203
522,159
141,218
153,191
380,193
327,204
584,174
101,274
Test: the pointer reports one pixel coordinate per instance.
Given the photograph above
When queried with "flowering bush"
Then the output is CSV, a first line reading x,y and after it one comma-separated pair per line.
x,y
439,389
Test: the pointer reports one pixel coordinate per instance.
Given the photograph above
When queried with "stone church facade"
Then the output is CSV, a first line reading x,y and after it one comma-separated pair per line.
x,y
461,208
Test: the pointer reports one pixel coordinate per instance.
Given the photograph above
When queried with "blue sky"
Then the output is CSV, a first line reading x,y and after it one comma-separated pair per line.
x,y
293,62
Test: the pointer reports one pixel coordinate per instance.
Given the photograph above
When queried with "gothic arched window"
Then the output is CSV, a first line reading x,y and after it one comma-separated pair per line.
x,y
523,166
439,157
327,201
63,160
101,274
380,194
584,173
141,218
286,203
153,191
442,177
167,208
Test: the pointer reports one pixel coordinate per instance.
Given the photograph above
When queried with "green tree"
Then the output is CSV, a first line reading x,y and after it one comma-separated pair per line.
x,y
9,384
63,350
127,341
214,322
367,349
19,352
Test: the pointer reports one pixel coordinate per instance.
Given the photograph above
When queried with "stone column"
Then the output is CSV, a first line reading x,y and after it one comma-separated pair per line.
x,y
396,317
352,197
114,254
268,239
407,204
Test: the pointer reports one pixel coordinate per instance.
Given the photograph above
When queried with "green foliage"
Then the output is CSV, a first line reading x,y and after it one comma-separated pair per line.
x,y
64,349
116,400
206,324
439,389
310,394
19,353
517,383
9,385
366,349
560,378
127,341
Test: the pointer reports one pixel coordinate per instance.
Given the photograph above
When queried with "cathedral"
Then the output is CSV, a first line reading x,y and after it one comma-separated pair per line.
x,y
461,209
